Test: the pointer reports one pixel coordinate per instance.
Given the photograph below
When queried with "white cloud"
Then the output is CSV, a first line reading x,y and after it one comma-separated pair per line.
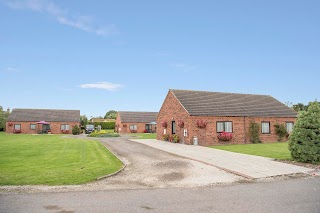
x,y
182,66
84,23
10,69
102,85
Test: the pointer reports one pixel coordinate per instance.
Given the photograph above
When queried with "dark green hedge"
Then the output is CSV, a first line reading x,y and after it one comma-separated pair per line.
x,y
105,125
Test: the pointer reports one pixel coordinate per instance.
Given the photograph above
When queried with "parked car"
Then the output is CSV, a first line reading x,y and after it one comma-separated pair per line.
x,y
89,128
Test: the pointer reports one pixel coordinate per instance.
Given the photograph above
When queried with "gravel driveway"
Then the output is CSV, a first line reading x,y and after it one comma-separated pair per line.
x,y
146,168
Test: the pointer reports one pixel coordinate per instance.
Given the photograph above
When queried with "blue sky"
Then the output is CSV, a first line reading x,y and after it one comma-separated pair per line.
x,y
125,55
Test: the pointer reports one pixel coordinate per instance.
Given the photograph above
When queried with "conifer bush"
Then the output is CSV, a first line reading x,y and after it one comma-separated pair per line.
x,y
254,132
304,141
76,130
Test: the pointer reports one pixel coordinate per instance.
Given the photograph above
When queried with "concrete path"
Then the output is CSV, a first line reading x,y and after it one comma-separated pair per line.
x,y
249,166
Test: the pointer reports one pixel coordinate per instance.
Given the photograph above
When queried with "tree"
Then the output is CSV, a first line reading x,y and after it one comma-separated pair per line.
x,y
304,141
299,107
83,120
3,119
112,114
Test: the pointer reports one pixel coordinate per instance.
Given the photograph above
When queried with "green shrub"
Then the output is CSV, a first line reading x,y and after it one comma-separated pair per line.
x,y
304,141
175,138
76,130
106,125
166,137
103,135
254,132
280,130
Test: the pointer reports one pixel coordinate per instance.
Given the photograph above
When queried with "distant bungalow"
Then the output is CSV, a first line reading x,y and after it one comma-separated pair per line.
x,y
33,121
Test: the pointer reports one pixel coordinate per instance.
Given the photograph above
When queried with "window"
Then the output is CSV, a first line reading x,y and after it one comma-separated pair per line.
x,y
148,127
265,127
17,126
289,126
33,126
133,127
224,126
173,125
65,127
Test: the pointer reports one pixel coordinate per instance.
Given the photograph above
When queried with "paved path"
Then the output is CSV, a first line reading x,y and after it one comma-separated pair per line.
x,y
245,165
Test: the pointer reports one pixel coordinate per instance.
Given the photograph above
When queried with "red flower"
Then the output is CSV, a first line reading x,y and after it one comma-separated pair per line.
x,y
181,124
225,136
201,124
164,124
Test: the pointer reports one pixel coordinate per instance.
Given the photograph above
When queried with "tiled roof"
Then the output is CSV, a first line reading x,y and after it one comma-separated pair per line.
x,y
49,115
201,103
137,117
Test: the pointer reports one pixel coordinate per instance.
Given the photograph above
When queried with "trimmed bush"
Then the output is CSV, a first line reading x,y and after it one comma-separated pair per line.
x,y
106,125
280,130
76,130
254,132
304,141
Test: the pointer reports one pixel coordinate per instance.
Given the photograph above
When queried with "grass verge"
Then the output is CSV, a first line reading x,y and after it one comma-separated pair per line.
x,y
52,160
278,150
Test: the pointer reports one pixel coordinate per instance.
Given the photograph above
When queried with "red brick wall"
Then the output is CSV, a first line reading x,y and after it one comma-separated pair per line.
x,y
25,127
173,110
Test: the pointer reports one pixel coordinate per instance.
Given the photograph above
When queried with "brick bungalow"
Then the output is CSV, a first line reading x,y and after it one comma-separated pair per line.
x,y
183,111
27,121
132,122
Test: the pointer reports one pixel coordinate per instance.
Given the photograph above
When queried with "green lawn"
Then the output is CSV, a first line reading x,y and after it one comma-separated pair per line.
x,y
278,150
52,160
143,135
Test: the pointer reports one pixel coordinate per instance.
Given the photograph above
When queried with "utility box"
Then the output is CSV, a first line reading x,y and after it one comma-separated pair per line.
x,y
195,140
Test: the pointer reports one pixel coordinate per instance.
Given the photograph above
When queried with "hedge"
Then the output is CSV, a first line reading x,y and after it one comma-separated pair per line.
x,y
105,125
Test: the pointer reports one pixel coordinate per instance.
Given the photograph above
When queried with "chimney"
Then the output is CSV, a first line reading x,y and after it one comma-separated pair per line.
x,y
8,110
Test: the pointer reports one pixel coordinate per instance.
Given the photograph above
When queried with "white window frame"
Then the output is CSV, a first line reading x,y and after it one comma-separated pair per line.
x,y
262,128
65,127
223,125
33,126
133,127
288,126
14,127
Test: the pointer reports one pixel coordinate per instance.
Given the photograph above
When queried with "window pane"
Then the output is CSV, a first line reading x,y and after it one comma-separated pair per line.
x,y
173,127
228,126
220,126
32,126
135,127
289,127
67,127
265,127
63,127
17,126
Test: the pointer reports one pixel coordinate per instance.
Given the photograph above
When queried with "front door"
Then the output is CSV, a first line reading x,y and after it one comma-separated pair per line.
x,y
45,128
149,128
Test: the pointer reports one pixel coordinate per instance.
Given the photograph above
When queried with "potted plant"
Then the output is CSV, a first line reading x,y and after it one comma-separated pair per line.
x,y
181,124
164,124
201,124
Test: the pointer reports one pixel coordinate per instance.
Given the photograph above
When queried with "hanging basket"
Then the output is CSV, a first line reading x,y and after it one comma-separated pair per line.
x,y
10,124
201,124
164,124
181,124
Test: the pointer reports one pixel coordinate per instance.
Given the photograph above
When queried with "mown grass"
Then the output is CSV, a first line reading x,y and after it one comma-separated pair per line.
x,y
143,135
278,150
52,160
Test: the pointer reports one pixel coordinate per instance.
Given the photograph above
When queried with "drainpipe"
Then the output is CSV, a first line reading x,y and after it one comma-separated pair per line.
x,y
245,129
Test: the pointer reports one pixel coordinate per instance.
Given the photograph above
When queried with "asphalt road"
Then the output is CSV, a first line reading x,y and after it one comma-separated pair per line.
x,y
299,195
